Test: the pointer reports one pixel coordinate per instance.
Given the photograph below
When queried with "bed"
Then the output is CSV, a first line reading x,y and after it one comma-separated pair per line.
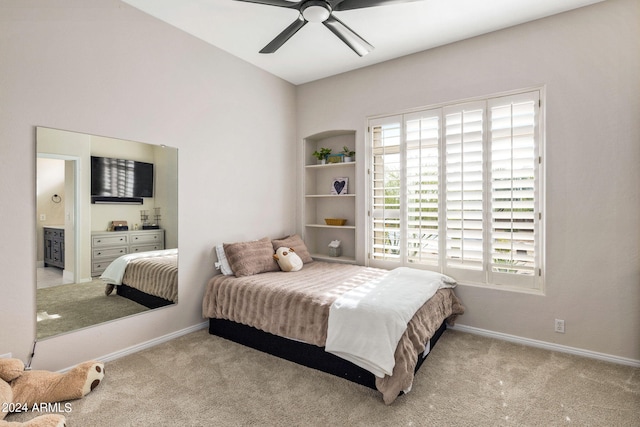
x,y
148,278
289,314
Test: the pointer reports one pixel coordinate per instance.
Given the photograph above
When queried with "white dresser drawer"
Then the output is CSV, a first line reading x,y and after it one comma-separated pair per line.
x,y
140,238
97,267
109,240
111,253
146,248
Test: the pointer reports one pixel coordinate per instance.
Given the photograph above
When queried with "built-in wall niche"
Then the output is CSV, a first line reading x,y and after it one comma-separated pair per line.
x,y
79,219
323,201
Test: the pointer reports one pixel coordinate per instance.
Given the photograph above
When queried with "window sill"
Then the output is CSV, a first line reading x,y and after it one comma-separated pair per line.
x,y
529,291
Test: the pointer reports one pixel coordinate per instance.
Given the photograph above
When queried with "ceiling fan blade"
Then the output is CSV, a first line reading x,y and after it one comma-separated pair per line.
x,y
284,36
348,36
361,4
279,3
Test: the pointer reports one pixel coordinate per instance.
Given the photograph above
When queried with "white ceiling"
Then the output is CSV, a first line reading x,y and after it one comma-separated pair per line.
x,y
242,29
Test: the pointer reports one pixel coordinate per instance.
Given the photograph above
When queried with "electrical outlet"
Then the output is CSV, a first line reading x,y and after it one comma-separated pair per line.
x,y
43,217
559,326
5,356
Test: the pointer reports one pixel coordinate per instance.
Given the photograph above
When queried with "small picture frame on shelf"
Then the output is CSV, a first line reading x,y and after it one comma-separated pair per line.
x,y
339,186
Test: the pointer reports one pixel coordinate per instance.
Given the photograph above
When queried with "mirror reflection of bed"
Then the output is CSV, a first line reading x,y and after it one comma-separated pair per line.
x,y
146,277
82,229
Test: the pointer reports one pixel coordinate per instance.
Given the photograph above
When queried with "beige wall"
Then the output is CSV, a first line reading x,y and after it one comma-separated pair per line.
x,y
104,68
589,62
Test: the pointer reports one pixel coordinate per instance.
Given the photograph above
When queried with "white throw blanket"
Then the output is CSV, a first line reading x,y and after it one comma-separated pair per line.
x,y
366,323
114,272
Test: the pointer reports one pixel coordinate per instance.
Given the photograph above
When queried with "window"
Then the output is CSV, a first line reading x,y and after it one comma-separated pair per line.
x,y
458,189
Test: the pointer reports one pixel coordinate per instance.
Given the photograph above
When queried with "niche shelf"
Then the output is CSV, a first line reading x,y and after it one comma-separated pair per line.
x,y
319,203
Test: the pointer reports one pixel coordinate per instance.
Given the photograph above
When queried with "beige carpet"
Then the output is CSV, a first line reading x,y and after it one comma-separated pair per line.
x,y
203,380
65,308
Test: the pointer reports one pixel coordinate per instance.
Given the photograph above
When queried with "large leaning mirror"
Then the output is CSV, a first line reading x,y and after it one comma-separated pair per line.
x,y
106,227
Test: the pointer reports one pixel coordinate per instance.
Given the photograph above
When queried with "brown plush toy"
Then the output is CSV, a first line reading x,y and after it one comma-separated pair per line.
x,y
36,391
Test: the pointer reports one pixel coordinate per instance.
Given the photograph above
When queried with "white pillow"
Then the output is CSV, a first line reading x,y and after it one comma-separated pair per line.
x,y
223,263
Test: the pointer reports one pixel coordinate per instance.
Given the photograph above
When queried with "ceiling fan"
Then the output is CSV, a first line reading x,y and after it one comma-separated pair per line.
x,y
322,11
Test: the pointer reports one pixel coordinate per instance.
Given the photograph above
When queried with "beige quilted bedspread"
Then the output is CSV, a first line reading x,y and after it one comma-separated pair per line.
x,y
296,305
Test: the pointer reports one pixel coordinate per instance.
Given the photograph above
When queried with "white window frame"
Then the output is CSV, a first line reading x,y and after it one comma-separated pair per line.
x,y
485,276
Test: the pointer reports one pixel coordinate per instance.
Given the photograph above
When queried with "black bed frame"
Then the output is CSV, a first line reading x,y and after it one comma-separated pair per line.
x,y
148,300
302,353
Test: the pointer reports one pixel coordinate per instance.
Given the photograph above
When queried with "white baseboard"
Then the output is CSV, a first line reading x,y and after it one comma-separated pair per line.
x,y
548,346
462,328
68,276
147,344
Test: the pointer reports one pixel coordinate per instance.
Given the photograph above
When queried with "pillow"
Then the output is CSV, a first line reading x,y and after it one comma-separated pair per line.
x,y
296,243
248,258
223,262
287,259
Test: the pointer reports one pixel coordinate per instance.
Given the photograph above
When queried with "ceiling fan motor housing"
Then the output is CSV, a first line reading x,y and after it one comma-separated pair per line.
x,y
315,10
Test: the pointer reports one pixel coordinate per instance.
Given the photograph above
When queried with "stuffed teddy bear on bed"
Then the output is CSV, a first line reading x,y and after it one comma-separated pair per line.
x,y
34,391
287,259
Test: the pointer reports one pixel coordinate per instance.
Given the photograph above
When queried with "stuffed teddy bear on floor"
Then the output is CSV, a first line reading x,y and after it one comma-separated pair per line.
x,y
37,391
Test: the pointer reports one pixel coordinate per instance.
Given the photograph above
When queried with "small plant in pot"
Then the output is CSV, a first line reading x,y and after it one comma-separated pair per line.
x,y
322,155
348,154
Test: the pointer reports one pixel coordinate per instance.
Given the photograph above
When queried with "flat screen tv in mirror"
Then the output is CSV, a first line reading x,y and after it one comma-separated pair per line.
x,y
121,178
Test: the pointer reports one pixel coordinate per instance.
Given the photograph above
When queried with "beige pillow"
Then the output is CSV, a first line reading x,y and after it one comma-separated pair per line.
x,y
248,258
296,243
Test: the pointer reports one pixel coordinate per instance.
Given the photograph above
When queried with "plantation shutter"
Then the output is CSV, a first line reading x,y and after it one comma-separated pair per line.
x,y
514,163
385,215
422,186
458,189
463,139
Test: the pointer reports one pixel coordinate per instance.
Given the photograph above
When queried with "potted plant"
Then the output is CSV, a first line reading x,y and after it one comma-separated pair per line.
x,y
322,155
348,154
